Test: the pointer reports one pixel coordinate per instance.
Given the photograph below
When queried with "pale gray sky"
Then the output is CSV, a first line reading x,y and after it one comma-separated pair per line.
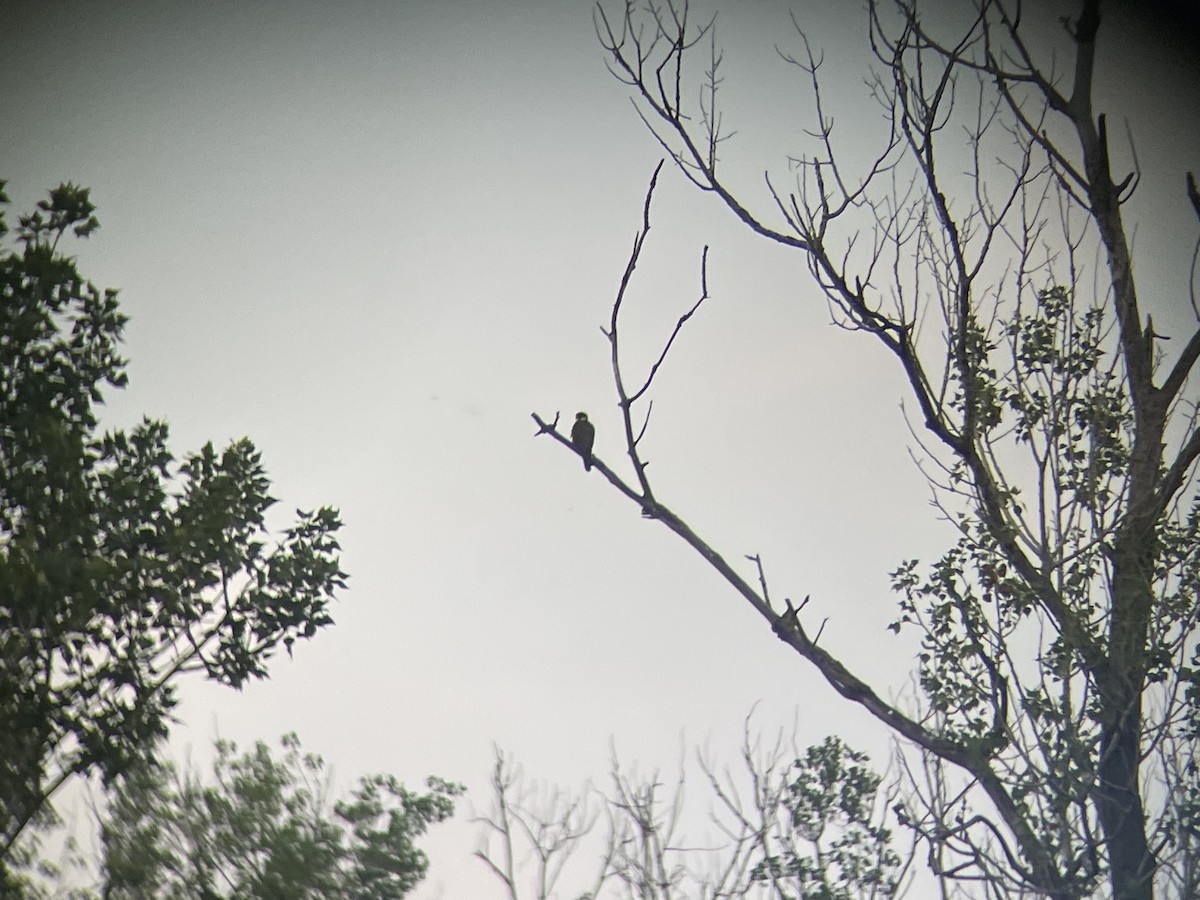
x,y
374,236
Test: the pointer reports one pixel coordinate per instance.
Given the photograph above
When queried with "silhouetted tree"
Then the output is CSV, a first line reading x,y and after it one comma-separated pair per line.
x,y
121,567
984,245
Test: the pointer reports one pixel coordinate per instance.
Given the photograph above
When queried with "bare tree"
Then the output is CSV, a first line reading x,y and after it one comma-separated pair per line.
x,y
782,824
1058,674
532,825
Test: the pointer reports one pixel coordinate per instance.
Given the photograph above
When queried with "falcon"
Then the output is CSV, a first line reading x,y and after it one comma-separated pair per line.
x,y
583,435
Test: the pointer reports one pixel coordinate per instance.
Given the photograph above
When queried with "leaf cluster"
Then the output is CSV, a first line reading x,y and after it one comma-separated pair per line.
x,y
830,798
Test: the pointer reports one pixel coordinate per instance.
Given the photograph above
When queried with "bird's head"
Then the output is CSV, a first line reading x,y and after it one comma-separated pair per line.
x,y
581,417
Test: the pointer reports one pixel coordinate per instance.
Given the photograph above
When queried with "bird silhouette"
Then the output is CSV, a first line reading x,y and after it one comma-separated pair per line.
x,y
583,436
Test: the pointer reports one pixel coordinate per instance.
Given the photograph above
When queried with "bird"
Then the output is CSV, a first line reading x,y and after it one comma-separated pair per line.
x,y
583,435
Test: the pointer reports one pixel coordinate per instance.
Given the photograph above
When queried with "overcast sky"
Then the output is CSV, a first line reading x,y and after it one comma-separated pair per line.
x,y
374,237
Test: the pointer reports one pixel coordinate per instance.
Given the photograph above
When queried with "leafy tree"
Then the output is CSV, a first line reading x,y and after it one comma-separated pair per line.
x,y
265,827
985,245
835,851
121,567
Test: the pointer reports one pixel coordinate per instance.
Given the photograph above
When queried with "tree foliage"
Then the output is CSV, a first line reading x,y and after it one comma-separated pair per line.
x,y
121,566
836,849
265,826
984,243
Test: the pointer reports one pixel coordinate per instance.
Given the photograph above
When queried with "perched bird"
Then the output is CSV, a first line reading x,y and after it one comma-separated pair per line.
x,y
583,435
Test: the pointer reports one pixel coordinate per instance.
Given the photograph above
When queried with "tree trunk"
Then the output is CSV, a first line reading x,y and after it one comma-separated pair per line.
x,y
1118,788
